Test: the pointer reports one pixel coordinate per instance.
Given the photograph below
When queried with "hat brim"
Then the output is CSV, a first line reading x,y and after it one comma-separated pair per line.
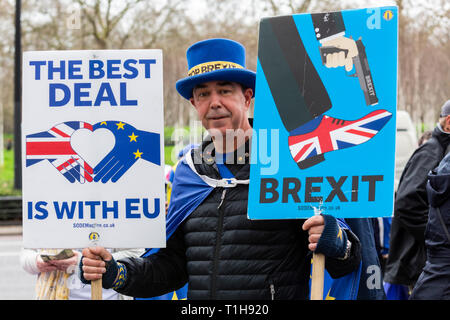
x,y
243,76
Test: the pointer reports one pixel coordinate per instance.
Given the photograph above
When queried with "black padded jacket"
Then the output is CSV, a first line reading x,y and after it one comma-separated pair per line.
x,y
224,255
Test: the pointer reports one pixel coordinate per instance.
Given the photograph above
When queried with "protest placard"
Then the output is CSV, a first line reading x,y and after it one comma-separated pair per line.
x,y
325,112
325,108
92,137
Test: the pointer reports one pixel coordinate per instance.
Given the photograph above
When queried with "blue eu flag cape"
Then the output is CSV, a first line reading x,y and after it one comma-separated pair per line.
x,y
189,189
345,287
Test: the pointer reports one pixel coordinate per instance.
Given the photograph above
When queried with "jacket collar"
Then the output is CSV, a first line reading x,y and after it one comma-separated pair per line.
x,y
206,152
442,136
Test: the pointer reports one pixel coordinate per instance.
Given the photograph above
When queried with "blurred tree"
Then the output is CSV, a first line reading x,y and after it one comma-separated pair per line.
x,y
424,34
172,25
104,17
7,64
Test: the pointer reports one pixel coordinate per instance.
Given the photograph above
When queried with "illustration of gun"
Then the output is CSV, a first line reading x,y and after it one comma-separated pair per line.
x,y
362,70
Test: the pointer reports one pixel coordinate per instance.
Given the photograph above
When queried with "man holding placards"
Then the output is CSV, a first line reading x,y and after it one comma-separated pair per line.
x,y
211,243
92,137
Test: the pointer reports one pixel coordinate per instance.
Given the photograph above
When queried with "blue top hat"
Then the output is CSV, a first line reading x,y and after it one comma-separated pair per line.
x,y
215,60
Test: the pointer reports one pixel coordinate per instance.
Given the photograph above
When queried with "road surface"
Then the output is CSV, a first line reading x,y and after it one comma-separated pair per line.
x,y
15,283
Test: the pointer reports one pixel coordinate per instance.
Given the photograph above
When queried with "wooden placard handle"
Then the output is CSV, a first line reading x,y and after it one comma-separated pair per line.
x,y
317,278
96,285
96,289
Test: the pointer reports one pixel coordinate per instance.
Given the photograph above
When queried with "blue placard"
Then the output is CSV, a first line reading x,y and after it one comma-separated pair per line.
x,y
325,115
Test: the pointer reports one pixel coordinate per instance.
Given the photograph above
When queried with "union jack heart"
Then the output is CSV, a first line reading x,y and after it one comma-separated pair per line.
x,y
54,145
309,142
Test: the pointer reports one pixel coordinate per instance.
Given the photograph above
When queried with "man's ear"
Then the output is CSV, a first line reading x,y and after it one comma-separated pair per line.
x,y
248,94
191,100
447,124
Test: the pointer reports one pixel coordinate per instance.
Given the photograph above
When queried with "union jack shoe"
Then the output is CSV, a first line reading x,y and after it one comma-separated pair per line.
x,y
309,142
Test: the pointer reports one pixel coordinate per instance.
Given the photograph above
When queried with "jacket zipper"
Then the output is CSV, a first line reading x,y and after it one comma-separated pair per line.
x,y
222,197
272,291
217,248
271,277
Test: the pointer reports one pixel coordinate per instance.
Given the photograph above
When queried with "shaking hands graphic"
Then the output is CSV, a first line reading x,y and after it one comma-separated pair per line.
x,y
130,145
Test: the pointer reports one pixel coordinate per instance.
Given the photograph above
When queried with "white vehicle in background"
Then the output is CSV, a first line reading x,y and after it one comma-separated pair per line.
x,y
406,143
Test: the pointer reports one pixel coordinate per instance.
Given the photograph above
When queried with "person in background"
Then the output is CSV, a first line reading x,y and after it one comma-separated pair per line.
x,y
424,137
407,254
434,281
59,279
382,226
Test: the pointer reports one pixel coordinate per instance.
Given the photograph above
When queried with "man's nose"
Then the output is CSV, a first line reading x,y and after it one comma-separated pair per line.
x,y
215,101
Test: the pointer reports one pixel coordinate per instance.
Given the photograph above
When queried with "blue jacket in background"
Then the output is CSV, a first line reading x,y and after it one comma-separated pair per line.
x,y
434,281
363,229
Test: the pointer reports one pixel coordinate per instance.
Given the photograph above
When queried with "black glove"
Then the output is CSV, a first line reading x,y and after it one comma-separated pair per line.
x,y
333,241
108,277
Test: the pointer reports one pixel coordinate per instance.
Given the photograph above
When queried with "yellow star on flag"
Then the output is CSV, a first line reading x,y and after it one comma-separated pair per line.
x,y
120,125
103,123
328,297
137,154
133,137
175,297
340,234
